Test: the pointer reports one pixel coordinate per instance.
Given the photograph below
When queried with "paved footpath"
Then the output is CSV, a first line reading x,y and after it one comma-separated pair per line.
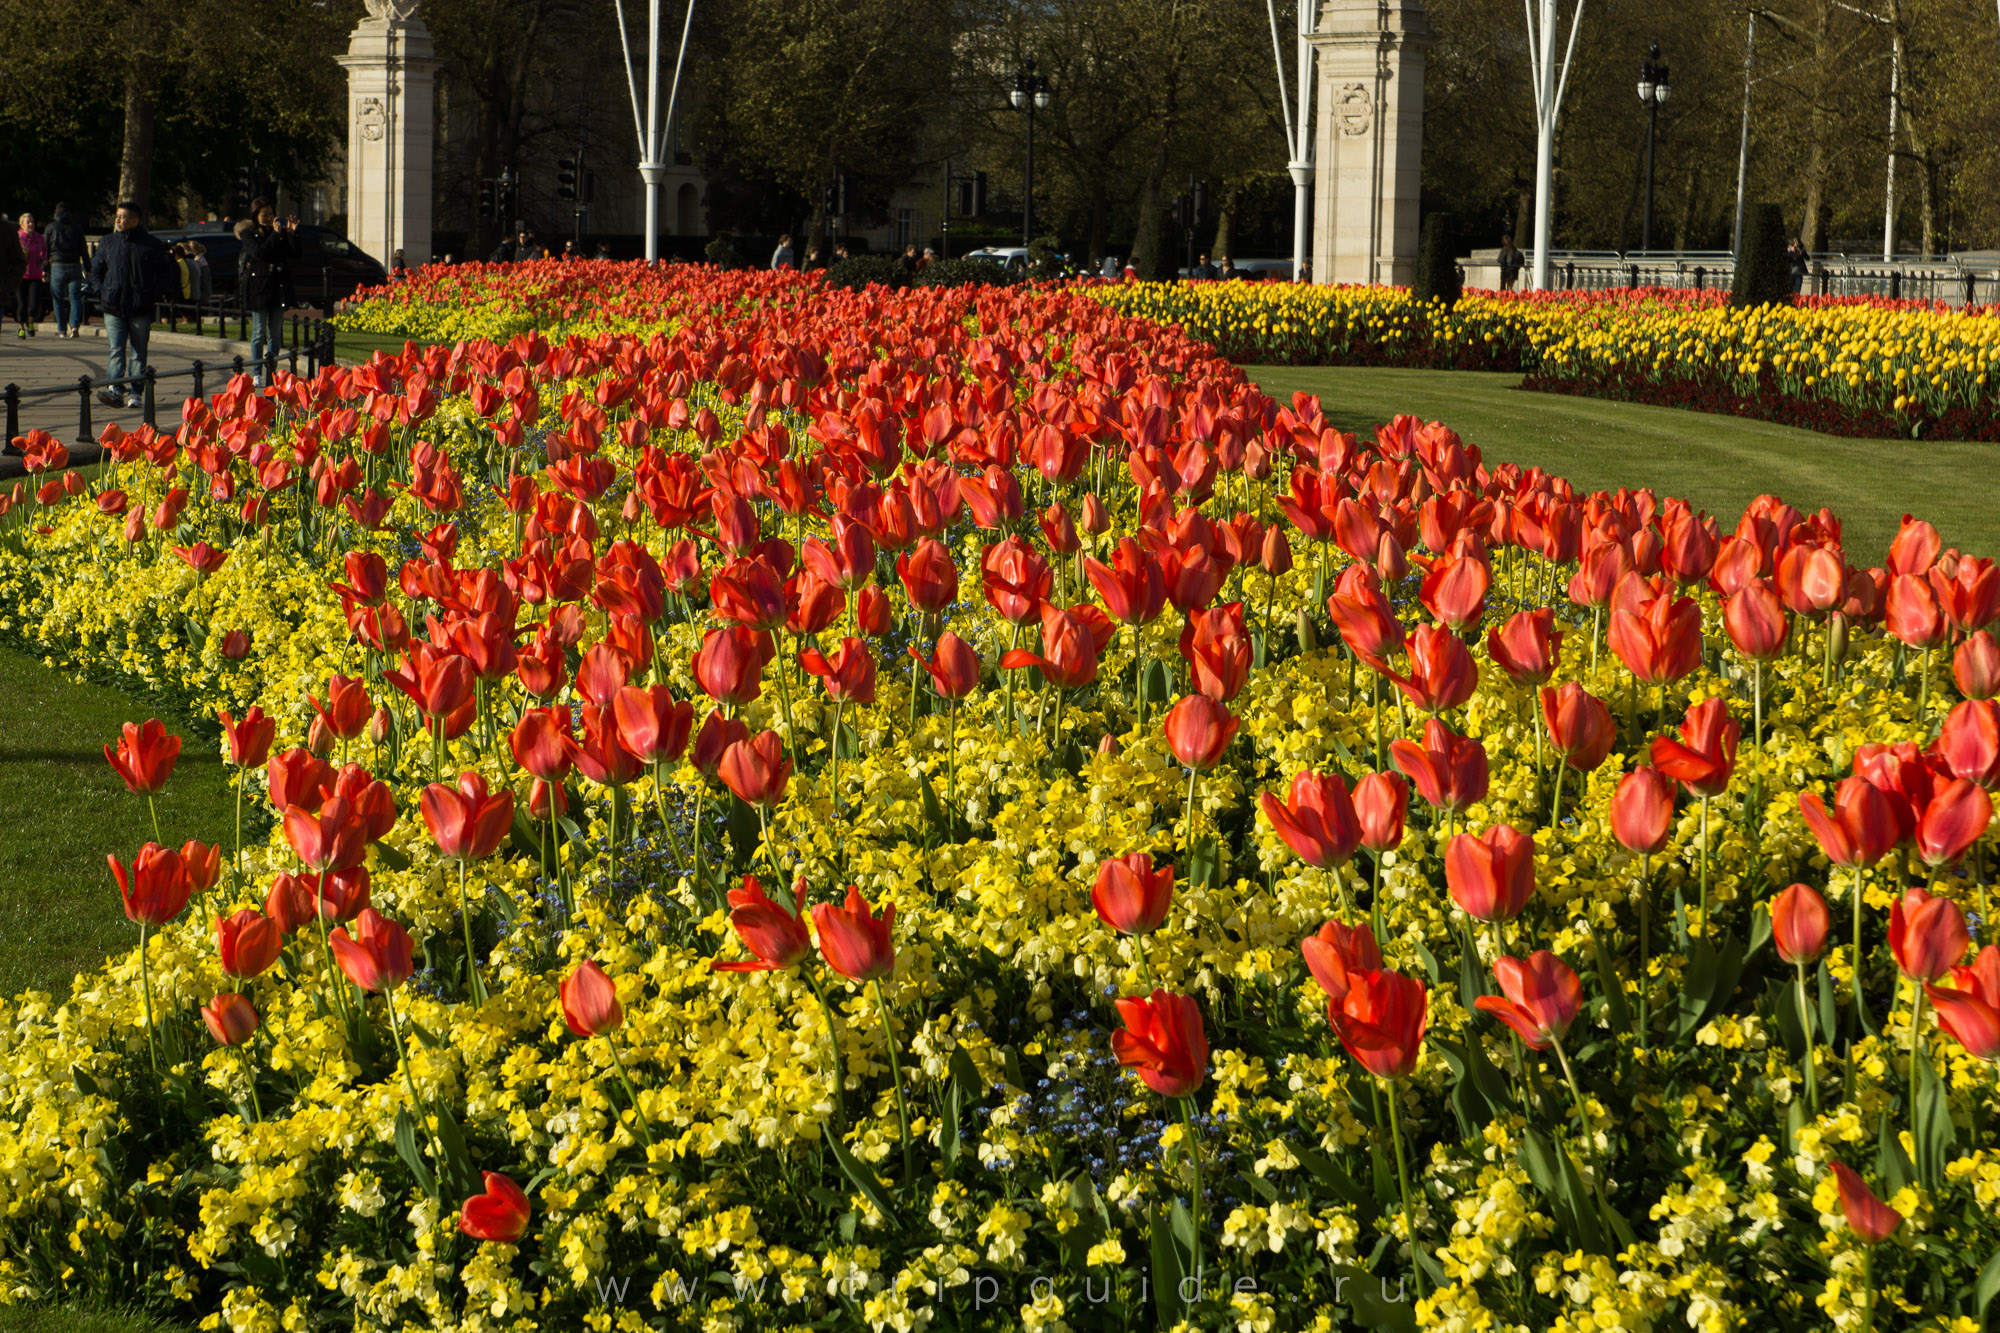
x,y
46,361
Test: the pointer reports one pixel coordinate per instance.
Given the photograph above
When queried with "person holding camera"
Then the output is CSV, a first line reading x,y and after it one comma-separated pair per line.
x,y
269,246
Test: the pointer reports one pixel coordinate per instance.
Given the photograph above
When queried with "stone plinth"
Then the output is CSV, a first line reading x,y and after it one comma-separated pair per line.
x,y
391,72
1368,140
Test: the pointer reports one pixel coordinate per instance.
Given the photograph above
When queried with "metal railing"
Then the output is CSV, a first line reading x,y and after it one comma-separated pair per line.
x,y
1829,273
310,339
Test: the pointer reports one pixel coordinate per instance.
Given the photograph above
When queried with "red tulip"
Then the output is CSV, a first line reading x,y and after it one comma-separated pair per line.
x,y
1131,896
1318,823
1799,924
203,863
1957,814
288,905
347,707
1381,1021
1970,1009
1579,724
1454,591
499,1215
377,957
332,839
1442,672
757,770
729,666
1969,743
1132,586
248,943
337,895
1199,731
776,936
604,670
848,676
156,888
1217,651
1872,1220
467,822
590,1001
651,724
145,756
1756,622
1364,618
871,612
602,756
1915,547
438,683
1661,642
230,1018
1527,647
1862,827
953,666
1071,648
1491,875
1449,770
748,592
1164,1040
717,734
855,942
1926,934
1381,801
1704,757
1912,612
1976,667
929,576
1338,951
249,740
1017,581
1642,810
541,743
1541,998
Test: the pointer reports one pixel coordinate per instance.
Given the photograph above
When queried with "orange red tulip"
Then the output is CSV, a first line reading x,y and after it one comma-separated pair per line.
x,y
776,936
1969,1009
249,740
1442,672
1164,1040
1927,935
1491,875
1661,642
376,957
1800,922
855,941
1859,830
1449,770
156,887
1336,951
848,676
230,1019
953,666
1871,1220
500,1215
1199,731
590,1001
757,769
1540,997
467,822
1131,896
1381,1021
144,756
1318,823
1642,810
1953,819
1579,725
247,943
1704,756
1528,647
1381,803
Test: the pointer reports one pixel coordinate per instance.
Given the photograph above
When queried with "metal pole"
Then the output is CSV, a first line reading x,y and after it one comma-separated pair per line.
x,y
1743,143
1028,200
650,166
1545,133
944,217
1895,107
1301,165
1646,225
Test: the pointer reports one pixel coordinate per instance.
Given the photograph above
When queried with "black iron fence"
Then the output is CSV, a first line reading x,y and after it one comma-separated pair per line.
x,y
307,341
1952,281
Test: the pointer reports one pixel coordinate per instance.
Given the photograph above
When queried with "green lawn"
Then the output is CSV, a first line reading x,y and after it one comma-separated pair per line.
x,y
66,1319
65,809
1716,463
352,346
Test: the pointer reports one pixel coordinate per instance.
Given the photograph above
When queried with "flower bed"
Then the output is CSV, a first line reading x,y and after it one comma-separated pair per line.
x,y
1843,365
1245,875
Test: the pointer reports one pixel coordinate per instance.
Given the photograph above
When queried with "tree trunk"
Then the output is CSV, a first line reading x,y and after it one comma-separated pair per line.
x,y
1100,219
135,161
1225,218
1809,225
1146,243
1688,208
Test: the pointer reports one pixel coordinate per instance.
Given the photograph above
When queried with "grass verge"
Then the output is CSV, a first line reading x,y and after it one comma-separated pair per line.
x,y
1716,463
65,809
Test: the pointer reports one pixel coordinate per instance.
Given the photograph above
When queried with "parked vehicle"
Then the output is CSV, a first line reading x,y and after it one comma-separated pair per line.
x,y
329,267
1013,258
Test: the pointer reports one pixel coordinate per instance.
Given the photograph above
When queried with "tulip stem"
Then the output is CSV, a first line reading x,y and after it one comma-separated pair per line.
x,y
838,709
154,812
1916,1039
1860,1005
896,1075
1867,1289
770,847
410,1083
250,1077
474,984
660,805
1187,829
1806,1022
1403,1180
839,1061
1375,900
1556,809
1704,868
951,753
240,775
1645,943
146,986
1194,1190
618,1063
1924,696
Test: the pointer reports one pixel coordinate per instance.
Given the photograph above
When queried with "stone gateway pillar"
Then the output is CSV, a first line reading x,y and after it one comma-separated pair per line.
x,y
391,73
1368,140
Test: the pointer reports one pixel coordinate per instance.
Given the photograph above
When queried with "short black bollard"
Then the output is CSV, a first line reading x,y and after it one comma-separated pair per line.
x,y
152,380
83,409
198,368
13,395
238,364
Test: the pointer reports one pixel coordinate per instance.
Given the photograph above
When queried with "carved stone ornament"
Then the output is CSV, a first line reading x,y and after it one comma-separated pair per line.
x,y
371,117
1356,110
393,10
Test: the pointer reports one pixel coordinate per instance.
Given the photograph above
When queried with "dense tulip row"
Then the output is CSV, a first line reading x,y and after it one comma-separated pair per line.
x,y
954,810
1847,366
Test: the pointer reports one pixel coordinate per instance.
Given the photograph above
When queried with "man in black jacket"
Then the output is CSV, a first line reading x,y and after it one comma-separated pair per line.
x,y
67,254
130,272
265,272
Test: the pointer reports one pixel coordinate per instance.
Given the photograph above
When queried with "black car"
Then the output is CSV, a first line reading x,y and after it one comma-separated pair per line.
x,y
329,267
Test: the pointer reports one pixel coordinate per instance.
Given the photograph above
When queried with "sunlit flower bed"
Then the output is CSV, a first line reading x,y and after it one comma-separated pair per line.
x,y
1847,366
953,810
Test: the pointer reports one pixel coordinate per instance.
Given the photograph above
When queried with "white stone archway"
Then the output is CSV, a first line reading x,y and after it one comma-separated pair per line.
x,y
391,74
1368,140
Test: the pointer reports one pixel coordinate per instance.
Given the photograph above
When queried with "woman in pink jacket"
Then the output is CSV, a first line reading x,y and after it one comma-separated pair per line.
x,y
34,277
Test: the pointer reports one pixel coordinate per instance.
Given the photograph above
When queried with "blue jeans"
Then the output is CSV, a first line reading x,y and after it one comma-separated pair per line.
x,y
267,338
127,335
66,281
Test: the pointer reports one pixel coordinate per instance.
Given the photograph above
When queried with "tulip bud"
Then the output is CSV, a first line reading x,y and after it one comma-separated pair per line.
x,y
319,738
1837,630
382,726
1256,461
230,1018
236,645
1976,667
542,795
1108,745
1092,517
1277,553
1308,639
630,513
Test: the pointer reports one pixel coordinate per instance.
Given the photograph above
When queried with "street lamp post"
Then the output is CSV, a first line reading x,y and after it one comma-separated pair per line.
x,y
1653,90
1031,94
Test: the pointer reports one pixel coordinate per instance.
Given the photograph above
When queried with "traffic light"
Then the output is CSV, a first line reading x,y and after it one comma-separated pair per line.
x,y
1200,199
566,178
830,201
488,204
246,189
978,194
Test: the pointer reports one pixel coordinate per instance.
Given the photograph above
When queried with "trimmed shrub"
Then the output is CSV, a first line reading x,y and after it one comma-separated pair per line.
x,y
964,273
1763,275
861,271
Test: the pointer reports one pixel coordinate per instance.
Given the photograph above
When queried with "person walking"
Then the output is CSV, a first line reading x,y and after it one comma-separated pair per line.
x,y
67,254
268,249
34,276
782,256
1511,261
13,268
130,271
1797,260
200,276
